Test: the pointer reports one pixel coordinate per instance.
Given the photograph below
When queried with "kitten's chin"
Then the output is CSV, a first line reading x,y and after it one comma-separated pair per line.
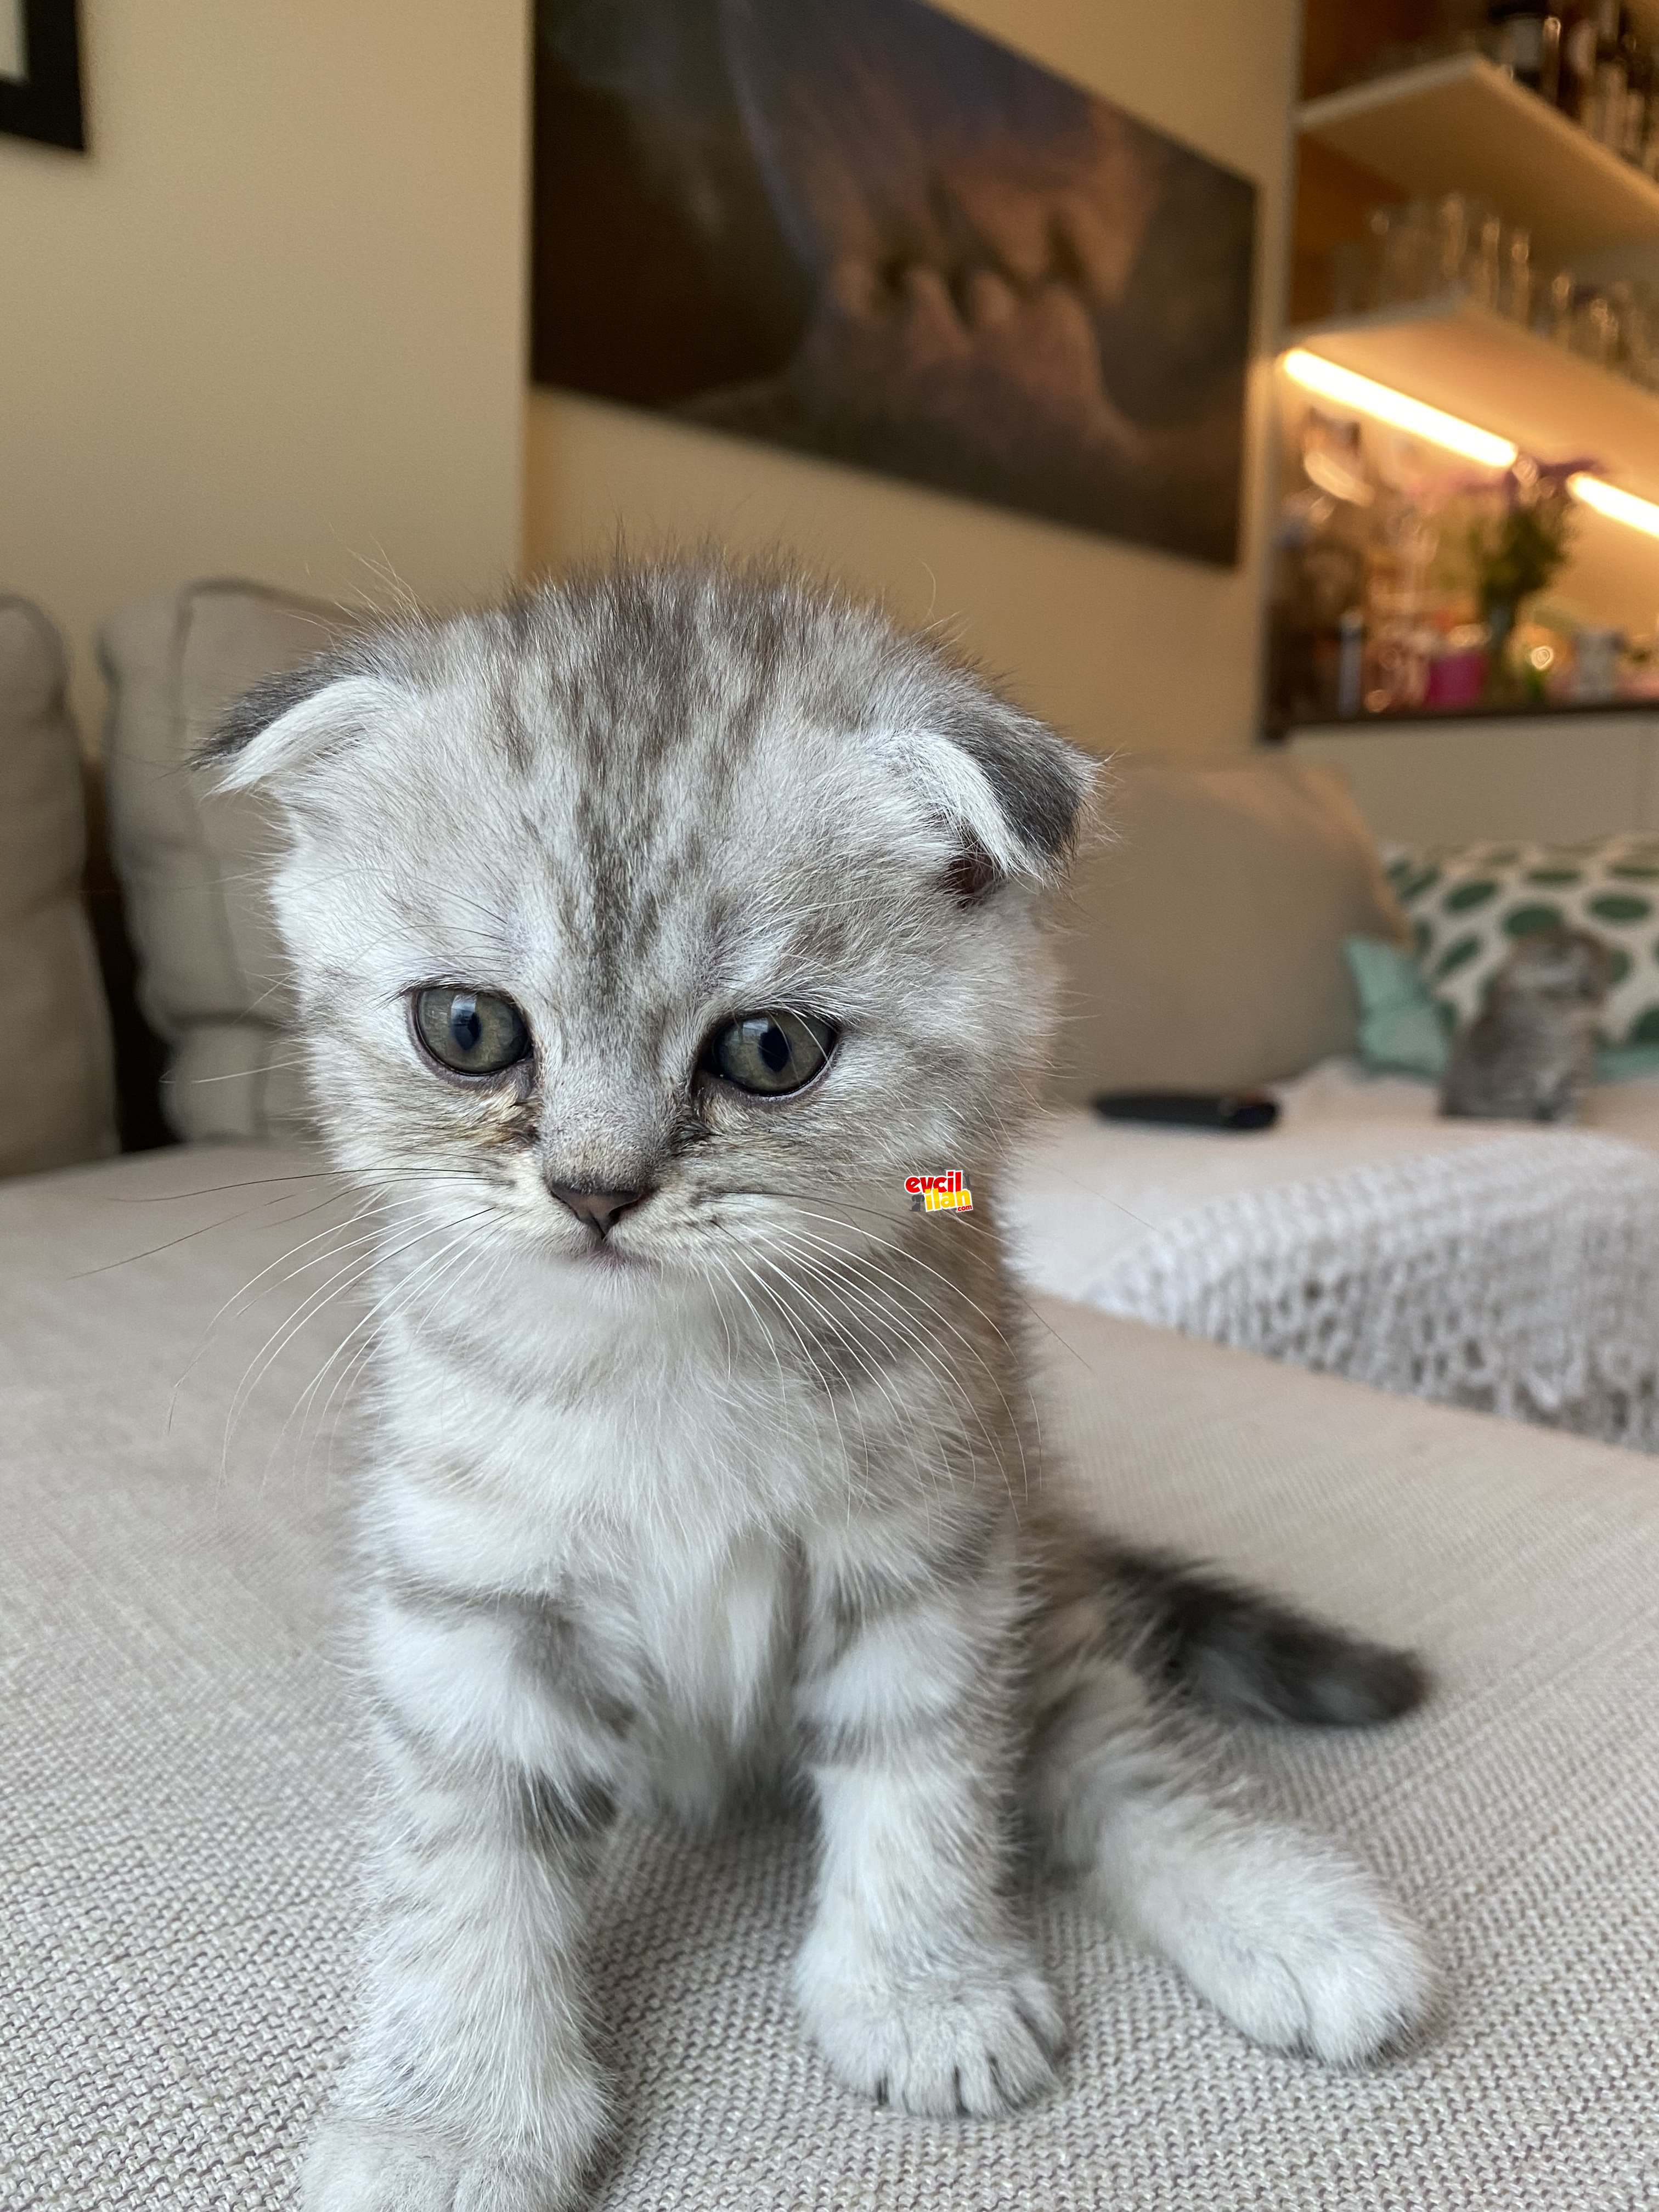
x,y
602,1257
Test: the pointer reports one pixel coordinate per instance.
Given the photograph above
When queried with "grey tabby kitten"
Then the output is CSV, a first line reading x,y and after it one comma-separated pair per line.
x,y
649,933
1528,1055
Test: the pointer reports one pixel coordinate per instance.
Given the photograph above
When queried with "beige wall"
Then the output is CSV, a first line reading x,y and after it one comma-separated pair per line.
x,y
1548,778
1124,648
272,324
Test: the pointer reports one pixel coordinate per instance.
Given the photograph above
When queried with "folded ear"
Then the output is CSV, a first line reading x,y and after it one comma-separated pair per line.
x,y
1009,788
291,720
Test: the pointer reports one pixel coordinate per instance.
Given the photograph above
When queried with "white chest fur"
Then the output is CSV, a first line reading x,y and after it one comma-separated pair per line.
x,y
670,1494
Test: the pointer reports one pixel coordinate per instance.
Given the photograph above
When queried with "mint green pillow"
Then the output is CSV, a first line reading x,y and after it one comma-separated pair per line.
x,y
1404,1028
1615,1061
1399,1025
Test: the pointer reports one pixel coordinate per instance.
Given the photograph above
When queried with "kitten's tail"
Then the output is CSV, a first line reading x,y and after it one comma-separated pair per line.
x,y
1242,1653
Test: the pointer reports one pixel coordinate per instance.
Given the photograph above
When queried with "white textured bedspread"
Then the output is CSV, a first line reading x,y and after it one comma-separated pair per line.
x,y
1476,1263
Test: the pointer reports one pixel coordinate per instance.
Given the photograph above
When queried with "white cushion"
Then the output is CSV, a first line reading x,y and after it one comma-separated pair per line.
x,y
57,1085
210,969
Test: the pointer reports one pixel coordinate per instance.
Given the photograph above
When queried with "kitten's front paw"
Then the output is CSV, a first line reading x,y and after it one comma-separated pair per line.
x,y
974,2042
367,2165
1301,1949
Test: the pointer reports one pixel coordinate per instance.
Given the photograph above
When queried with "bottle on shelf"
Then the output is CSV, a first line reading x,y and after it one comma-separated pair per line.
x,y
1549,59
1638,84
1515,297
1519,28
1576,90
1612,83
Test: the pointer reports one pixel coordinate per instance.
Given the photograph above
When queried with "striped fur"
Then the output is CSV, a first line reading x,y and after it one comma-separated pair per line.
x,y
751,1486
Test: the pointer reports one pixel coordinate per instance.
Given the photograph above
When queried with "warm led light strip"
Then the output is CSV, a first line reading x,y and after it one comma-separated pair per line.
x,y
1617,506
1349,389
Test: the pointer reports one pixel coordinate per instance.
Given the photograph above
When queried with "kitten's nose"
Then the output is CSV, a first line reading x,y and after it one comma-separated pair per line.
x,y
598,1208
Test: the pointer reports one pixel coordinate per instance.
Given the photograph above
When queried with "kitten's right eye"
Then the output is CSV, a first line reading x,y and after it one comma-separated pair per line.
x,y
473,1032
771,1055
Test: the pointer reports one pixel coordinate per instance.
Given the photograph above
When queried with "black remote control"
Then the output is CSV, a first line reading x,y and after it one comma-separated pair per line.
x,y
1190,1109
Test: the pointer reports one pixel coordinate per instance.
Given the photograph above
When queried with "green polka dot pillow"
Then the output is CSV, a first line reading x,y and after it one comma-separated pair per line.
x,y
1467,908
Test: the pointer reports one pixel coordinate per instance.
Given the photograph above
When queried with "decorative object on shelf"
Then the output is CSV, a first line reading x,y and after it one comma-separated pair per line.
x,y
1516,552
861,230
1482,314
40,73
1403,583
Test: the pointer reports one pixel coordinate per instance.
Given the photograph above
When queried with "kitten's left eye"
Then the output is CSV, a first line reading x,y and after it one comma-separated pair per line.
x,y
474,1032
770,1053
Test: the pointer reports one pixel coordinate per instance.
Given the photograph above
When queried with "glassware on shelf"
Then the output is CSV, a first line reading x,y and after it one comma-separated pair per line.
x,y
1428,249
1407,252
1515,291
1596,329
1485,264
1597,675
1458,246
1558,316
1641,335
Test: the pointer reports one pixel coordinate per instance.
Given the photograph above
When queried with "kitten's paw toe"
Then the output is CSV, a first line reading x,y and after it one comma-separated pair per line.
x,y
358,2165
974,2043
1303,1951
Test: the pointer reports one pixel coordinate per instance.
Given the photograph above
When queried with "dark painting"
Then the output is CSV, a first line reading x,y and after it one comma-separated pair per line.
x,y
861,229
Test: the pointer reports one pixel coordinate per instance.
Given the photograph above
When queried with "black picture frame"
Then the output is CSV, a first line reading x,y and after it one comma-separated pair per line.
x,y
46,104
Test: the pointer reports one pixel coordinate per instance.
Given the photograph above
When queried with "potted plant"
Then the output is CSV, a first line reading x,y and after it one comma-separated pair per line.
x,y
1517,552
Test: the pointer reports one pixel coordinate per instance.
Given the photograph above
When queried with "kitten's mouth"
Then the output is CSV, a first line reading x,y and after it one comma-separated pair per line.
x,y
600,1252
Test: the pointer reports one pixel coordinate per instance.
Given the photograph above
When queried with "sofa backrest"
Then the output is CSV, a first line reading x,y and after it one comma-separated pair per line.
x,y
1204,926
56,1087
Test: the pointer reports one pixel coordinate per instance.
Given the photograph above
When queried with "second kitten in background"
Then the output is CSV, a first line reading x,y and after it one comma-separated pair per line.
x,y
1528,1055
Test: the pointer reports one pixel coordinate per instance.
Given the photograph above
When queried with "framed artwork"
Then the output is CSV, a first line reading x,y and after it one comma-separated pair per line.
x,y
862,230
40,72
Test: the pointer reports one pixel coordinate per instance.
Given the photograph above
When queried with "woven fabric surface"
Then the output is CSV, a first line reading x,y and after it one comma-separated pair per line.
x,y
184,1788
1520,1277
1513,1270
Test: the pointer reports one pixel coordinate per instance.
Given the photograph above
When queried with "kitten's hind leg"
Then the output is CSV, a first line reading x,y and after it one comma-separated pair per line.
x,y
1293,1941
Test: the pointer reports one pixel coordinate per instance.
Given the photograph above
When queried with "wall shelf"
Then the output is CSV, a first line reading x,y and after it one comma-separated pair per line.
x,y
1461,124
1472,363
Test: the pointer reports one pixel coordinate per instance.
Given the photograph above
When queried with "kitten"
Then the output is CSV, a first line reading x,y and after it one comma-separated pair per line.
x,y
648,932
1528,1055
